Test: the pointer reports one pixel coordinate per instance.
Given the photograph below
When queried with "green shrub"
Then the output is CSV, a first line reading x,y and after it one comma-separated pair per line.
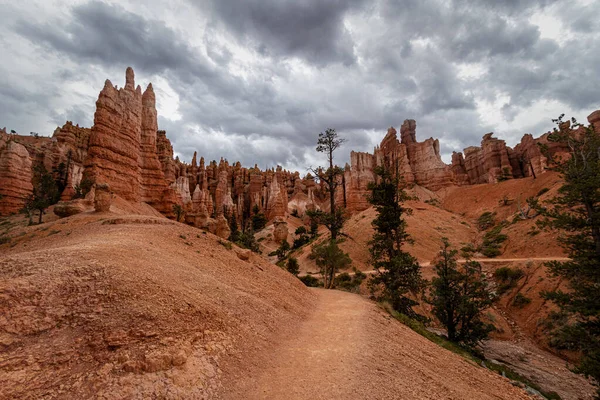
x,y
259,220
350,283
507,278
486,220
492,242
292,266
521,301
4,239
225,244
311,281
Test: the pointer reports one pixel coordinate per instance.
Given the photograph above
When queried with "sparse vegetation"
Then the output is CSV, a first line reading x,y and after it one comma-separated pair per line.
x,y
292,266
521,301
282,251
302,237
325,254
486,220
259,220
4,239
506,175
350,283
45,193
179,212
459,295
576,212
83,188
492,242
226,244
398,272
507,278
311,281
330,259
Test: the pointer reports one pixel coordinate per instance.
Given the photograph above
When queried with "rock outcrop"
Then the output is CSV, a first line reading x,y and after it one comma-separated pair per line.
x,y
114,148
126,150
102,197
15,177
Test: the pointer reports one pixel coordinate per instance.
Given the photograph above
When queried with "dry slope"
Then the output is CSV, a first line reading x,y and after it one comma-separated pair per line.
x,y
136,307
350,349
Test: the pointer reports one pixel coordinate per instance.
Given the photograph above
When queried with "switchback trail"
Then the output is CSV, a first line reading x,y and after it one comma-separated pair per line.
x,y
348,348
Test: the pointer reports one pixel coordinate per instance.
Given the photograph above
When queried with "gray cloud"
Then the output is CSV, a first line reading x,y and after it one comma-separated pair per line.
x,y
311,29
257,80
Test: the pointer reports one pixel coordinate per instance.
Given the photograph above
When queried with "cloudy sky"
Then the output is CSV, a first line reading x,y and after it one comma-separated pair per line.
x,y
257,80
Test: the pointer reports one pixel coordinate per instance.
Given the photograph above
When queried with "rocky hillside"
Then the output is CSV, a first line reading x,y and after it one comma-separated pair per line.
x,y
121,305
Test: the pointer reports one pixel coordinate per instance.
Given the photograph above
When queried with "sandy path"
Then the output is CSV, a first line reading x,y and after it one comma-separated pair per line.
x,y
349,349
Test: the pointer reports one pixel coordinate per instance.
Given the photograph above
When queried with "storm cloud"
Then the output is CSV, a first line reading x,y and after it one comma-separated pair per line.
x,y
257,80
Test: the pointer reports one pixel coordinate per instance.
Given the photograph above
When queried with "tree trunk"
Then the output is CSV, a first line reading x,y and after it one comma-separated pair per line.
x,y
41,216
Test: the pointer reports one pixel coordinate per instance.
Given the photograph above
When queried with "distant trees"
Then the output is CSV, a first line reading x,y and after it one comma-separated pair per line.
x,y
576,212
244,238
259,220
459,295
292,266
45,192
330,259
179,212
398,273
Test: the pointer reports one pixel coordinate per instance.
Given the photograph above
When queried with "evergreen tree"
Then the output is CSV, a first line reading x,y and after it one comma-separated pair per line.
x,y
45,191
292,266
177,210
398,273
327,143
325,254
259,220
459,295
576,212
330,259
234,236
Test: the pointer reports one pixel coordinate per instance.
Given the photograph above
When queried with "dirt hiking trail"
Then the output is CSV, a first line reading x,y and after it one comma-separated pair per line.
x,y
348,348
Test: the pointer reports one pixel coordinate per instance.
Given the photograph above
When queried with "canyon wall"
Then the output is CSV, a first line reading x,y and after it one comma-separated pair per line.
x,y
126,150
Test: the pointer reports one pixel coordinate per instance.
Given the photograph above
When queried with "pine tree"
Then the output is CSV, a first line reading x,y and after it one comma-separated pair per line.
x,y
330,259
45,191
576,212
398,273
327,143
459,294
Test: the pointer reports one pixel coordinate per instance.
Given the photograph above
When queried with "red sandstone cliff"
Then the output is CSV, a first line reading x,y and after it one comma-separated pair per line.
x,y
125,150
